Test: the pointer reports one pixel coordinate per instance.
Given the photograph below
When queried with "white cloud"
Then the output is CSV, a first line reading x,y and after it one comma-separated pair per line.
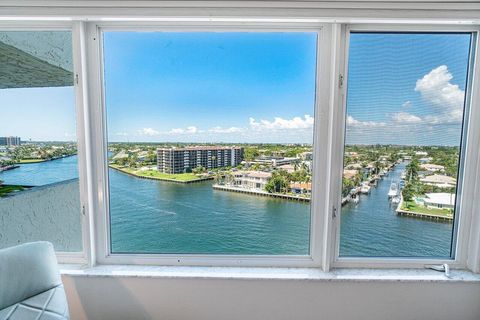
x,y
405,117
121,134
435,87
188,130
407,104
148,132
225,130
282,124
351,121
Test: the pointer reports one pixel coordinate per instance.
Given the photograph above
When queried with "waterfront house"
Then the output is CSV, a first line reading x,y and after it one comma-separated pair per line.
x,y
252,180
440,200
301,187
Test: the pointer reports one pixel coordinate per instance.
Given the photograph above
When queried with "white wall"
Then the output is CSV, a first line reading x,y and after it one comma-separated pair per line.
x,y
162,298
47,213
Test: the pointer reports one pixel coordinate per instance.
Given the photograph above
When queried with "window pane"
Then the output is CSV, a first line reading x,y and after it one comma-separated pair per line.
x,y
39,192
405,109
210,141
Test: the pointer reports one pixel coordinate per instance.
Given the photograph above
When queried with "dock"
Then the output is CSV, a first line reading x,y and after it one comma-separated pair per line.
x,y
260,193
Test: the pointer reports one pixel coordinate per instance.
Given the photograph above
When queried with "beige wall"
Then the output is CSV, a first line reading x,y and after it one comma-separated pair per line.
x,y
201,299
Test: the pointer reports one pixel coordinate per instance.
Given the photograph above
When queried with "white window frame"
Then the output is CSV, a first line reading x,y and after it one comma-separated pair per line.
x,y
95,57
332,51
82,256
468,162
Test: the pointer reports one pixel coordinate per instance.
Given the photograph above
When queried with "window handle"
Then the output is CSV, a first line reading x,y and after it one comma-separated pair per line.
x,y
441,267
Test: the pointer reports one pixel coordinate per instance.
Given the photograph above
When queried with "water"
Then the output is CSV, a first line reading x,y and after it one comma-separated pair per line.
x,y
42,173
372,227
160,217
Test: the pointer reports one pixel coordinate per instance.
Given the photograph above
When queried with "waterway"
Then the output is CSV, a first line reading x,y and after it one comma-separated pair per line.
x,y
160,217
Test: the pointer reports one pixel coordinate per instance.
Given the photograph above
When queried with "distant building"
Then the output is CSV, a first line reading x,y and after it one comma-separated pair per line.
x,y
421,153
307,156
287,167
432,167
440,181
180,160
10,141
276,161
425,160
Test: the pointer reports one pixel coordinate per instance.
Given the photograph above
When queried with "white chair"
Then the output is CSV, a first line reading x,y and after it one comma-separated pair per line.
x,y
30,284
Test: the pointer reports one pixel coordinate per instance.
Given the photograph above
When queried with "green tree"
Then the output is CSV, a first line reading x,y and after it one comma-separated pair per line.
x,y
408,192
347,185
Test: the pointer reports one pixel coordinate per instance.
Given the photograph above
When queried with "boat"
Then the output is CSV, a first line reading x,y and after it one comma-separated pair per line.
x,y
365,188
354,198
396,200
393,190
404,175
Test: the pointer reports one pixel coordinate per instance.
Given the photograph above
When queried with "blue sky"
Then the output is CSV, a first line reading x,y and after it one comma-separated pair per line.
x,y
213,87
406,88
258,87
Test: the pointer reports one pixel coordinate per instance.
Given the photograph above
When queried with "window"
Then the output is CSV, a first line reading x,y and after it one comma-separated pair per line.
x,y
39,186
403,144
233,143
210,141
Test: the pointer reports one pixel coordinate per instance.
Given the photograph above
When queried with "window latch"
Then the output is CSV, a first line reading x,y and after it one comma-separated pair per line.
x,y
340,81
334,212
441,268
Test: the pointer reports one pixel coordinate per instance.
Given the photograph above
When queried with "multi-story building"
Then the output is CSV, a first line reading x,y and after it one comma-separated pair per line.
x,y
10,141
179,160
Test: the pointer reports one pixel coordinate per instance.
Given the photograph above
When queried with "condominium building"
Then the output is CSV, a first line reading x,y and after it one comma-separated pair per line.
x,y
10,141
179,160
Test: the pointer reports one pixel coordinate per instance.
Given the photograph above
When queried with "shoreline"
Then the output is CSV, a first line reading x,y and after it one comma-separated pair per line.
x,y
10,167
260,193
160,179
32,161
421,215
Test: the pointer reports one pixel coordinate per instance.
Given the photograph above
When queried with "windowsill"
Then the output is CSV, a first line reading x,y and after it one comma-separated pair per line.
x,y
244,273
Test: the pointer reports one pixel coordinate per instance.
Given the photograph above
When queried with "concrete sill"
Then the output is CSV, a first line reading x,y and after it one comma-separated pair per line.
x,y
309,274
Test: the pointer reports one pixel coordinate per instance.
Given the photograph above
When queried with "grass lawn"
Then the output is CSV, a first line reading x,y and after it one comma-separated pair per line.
x,y
412,206
5,190
31,160
154,174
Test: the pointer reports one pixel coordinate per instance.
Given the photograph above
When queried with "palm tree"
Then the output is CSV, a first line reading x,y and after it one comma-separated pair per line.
x,y
412,169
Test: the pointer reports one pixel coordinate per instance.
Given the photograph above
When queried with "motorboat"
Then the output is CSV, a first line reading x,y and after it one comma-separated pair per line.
x,y
393,192
365,188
